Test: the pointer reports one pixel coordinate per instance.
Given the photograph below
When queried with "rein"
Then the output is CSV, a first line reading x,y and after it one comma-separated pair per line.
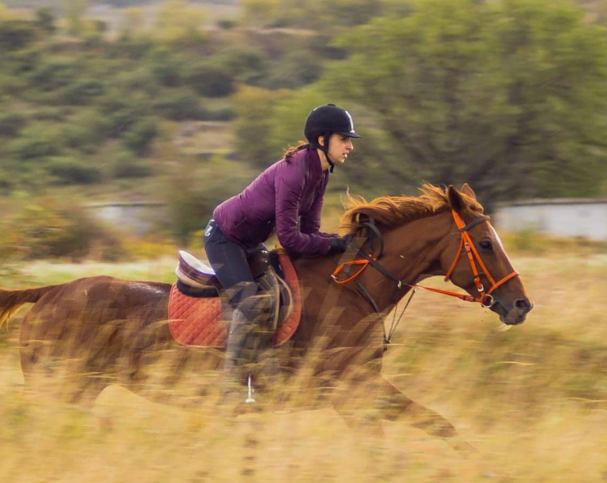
x,y
466,245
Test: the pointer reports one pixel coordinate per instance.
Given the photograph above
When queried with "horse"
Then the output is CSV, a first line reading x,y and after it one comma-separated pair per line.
x,y
110,331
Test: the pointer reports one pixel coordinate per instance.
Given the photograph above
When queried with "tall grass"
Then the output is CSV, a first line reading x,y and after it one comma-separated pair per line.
x,y
532,399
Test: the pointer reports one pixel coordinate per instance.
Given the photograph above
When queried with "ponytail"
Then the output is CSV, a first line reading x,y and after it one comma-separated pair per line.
x,y
291,150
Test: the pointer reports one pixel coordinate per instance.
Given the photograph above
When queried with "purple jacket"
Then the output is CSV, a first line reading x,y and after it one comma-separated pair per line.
x,y
275,200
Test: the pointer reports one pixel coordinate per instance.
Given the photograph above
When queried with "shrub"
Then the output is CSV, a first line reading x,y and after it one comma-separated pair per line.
x,y
82,91
6,180
16,34
120,108
227,23
165,65
245,64
66,170
179,104
37,141
126,165
46,20
11,123
140,134
52,227
54,73
84,131
218,113
209,78
295,70
23,61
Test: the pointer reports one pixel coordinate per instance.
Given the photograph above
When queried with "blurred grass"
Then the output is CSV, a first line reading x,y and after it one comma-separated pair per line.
x,y
532,399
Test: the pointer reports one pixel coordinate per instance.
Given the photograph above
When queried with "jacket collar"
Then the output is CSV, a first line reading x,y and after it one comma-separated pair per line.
x,y
314,162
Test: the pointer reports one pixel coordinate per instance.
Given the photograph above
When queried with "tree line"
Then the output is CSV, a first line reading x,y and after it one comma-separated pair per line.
x,y
506,95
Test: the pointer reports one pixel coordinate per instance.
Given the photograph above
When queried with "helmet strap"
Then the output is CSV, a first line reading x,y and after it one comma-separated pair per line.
x,y
325,149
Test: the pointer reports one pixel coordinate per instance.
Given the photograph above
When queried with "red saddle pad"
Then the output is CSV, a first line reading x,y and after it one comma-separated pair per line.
x,y
199,322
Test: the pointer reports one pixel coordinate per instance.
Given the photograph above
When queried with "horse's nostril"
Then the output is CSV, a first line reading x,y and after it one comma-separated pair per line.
x,y
523,304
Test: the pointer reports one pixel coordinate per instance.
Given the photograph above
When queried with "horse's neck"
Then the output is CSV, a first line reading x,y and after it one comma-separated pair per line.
x,y
412,253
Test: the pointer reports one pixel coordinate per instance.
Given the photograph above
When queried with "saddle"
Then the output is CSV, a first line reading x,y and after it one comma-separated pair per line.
x,y
199,312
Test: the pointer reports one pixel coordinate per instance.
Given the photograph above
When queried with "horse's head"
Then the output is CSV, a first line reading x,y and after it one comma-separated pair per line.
x,y
476,261
459,242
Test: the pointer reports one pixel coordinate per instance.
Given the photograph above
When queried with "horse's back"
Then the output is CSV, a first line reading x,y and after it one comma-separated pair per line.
x,y
91,319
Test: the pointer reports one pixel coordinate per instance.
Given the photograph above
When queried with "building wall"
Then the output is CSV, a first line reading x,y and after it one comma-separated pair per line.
x,y
559,218
138,218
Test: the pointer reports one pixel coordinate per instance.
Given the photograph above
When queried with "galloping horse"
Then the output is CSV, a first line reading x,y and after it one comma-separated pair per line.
x,y
109,330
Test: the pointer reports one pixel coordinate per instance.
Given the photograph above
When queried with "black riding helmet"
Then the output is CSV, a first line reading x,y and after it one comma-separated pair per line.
x,y
324,121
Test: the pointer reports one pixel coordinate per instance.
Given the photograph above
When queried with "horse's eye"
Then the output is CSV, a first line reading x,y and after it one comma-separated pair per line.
x,y
485,245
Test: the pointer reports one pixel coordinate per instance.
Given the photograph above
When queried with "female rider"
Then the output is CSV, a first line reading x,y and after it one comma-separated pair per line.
x,y
287,197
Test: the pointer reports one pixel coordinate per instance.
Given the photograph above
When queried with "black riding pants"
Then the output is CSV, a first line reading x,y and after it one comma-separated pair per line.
x,y
231,263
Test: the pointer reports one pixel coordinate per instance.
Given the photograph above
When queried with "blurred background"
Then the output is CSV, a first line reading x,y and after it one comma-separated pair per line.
x,y
123,123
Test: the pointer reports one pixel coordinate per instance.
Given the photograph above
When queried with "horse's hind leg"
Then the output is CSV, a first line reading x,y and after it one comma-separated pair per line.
x,y
51,368
61,382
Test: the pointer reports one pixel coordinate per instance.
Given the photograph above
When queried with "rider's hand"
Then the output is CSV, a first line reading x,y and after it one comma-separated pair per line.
x,y
338,245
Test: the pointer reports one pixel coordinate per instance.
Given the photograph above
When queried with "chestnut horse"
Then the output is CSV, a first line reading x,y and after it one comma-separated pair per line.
x,y
107,331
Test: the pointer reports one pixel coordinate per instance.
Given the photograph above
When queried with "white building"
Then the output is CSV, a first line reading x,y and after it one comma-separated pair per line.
x,y
586,218
139,217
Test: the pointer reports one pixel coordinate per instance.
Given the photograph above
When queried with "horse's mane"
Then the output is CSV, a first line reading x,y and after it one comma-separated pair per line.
x,y
392,211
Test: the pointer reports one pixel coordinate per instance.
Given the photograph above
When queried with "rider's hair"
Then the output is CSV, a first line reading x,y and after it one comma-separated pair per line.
x,y
291,150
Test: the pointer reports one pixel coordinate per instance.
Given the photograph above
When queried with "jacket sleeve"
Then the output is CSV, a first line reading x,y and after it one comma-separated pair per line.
x,y
310,221
289,190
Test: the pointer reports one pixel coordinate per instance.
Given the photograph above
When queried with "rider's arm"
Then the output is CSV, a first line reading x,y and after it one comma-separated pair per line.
x,y
289,190
310,221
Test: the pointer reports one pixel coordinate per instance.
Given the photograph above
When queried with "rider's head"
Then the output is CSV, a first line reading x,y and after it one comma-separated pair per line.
x,y
323,122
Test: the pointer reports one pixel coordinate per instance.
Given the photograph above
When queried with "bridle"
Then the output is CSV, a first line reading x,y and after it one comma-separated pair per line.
x,y
485,297
474,257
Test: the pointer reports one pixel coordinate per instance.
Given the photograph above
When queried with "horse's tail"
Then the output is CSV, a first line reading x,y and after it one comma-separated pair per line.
x,y
11,300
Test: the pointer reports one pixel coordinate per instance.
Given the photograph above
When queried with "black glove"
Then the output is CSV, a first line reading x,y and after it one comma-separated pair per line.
x,y
337,245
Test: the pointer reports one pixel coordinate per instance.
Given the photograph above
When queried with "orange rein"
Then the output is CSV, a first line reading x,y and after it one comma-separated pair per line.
x,y
466,244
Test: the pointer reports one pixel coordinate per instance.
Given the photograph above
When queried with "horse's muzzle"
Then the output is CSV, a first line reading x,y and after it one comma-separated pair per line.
x,y
517,314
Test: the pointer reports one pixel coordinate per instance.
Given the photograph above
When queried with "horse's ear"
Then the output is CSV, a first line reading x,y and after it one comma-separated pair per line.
x,y
468,191
455,199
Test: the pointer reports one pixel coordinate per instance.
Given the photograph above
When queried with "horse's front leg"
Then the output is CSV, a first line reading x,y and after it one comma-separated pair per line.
x,y
371,396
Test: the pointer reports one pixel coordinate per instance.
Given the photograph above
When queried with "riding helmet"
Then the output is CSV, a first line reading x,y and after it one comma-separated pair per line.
x,y
328,119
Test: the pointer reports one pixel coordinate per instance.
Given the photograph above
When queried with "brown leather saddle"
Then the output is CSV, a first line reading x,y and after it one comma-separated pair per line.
x,y
197,279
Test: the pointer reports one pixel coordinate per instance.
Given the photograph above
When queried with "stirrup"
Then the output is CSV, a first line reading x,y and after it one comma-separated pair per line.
x,y
250,399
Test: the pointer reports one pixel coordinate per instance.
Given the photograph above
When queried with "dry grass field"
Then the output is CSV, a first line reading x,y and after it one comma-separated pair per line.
x,y
532,400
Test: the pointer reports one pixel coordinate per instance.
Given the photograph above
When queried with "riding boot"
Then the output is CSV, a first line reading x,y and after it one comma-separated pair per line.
x,y
248,334
246,337
232,381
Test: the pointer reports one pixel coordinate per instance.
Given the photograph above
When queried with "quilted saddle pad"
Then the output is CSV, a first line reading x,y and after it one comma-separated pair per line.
x,y
199,322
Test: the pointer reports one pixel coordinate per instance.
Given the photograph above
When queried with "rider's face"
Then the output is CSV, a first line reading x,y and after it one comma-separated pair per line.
x,y
339,148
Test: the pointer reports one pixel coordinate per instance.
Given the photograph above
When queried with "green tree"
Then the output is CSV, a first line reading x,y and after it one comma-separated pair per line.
x,y
508,96
254,124
16,34
296,69
46,19
289,114
209,78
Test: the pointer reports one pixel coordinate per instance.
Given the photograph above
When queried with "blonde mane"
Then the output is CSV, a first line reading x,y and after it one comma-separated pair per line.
x,y
392,211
